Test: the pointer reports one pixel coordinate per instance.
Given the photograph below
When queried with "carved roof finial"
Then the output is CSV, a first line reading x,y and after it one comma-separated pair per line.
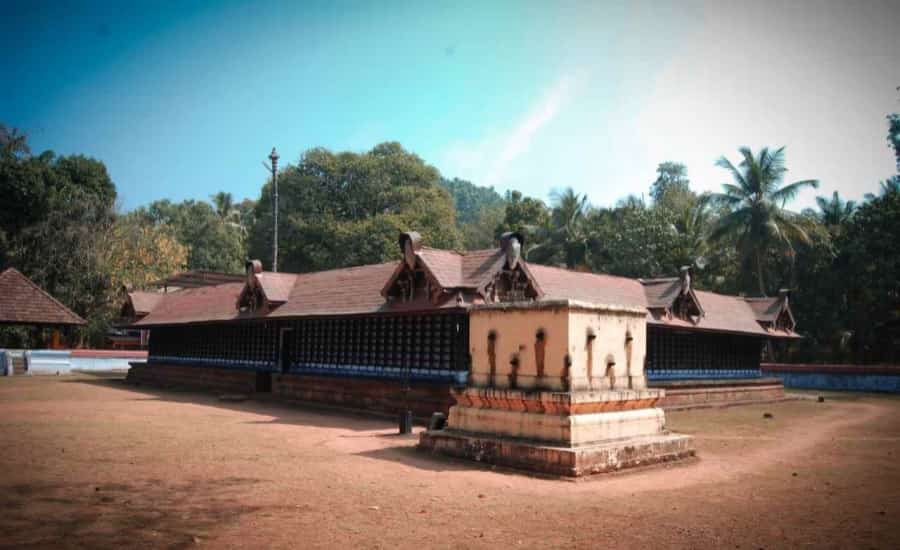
x,y
685,276
511,243
410,243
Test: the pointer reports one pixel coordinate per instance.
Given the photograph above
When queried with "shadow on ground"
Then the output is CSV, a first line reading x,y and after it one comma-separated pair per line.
x,y
280,411
141,514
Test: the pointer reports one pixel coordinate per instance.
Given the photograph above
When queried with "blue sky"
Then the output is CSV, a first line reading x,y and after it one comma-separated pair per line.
x,y
183,99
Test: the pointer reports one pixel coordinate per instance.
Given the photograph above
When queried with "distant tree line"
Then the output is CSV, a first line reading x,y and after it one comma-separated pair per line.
x,y
59,226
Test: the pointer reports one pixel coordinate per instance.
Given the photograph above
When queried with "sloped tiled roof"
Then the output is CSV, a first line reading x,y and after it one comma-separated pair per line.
x,y
357,290
198,277
661,292
556,284
461,269
338,292
24,303
196,305
144,302
277,286
766,309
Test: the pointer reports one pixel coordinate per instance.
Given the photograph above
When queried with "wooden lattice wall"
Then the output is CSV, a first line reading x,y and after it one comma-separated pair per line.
x,y
673,354
426,346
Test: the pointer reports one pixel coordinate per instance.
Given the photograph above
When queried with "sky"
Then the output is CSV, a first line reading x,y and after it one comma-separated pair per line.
x,y
184,99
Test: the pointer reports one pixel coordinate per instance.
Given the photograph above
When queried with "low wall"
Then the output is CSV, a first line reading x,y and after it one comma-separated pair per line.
x,y
370,394
104,360
192,377
868,378
54,362
46,361
688,394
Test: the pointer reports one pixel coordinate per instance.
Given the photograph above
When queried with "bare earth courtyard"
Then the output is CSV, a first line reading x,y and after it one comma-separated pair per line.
x,y
89,461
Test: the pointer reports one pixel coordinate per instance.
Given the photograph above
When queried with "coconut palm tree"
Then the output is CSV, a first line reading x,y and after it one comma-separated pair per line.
x,y
565,237
756,217
224,204
229,212
835,212
888,186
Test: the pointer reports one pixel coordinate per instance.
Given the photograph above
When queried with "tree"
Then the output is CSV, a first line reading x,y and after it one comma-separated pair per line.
x,y
671,183
53,213
886,187
344,209
893,137
818,297
522,214
13,142
479,233
213,244
835,212
869,263
470,199
224,204
566,238
636,241
61,254
136,252
757,219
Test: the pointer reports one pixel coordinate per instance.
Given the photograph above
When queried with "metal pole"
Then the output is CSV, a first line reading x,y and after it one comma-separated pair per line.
x,y
274,158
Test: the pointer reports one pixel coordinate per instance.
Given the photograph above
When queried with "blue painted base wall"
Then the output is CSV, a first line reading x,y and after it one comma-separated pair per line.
x,y
702,374
838,381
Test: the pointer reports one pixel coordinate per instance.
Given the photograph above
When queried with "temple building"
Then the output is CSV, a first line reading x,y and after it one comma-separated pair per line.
x,y
353,336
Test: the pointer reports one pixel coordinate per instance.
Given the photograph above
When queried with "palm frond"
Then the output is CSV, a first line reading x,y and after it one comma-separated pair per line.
x,y
788,192
735,173
730,224
790,228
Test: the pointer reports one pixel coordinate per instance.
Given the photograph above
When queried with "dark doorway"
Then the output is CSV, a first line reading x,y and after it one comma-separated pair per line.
x,y
264,382
285,349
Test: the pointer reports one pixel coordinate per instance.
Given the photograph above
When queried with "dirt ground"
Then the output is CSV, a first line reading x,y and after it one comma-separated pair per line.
x,y
89,461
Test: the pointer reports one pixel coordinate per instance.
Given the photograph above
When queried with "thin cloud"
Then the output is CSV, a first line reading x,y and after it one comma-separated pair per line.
x,y
489,160
519,141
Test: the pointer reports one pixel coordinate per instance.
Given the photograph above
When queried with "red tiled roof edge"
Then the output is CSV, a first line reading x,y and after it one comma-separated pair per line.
x,y
75,319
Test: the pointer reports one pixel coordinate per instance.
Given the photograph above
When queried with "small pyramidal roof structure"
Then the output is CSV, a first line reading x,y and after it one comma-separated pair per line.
x,y
24,303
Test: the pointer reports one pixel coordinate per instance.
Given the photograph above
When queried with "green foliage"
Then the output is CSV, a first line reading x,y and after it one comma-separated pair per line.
x,y
835,212
870,266
523,214
636,242
470,200
566,238
818,297
53,215
137,252
343,209
479,233
213,243
672,185
61,254
893,137
757,220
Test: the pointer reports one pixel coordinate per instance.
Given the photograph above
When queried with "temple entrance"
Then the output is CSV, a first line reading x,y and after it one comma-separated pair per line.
x,y
263,382
285,349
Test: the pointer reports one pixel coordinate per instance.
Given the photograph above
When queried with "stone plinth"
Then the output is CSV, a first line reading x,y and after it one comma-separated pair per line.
x,y
578,461
558,418
558,388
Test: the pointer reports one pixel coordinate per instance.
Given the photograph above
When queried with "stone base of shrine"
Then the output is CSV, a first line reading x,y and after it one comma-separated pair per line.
x,y
542,458
559,433
690,394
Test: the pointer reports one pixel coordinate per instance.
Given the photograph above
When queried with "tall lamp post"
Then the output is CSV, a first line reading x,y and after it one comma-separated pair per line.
x,y
273,157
